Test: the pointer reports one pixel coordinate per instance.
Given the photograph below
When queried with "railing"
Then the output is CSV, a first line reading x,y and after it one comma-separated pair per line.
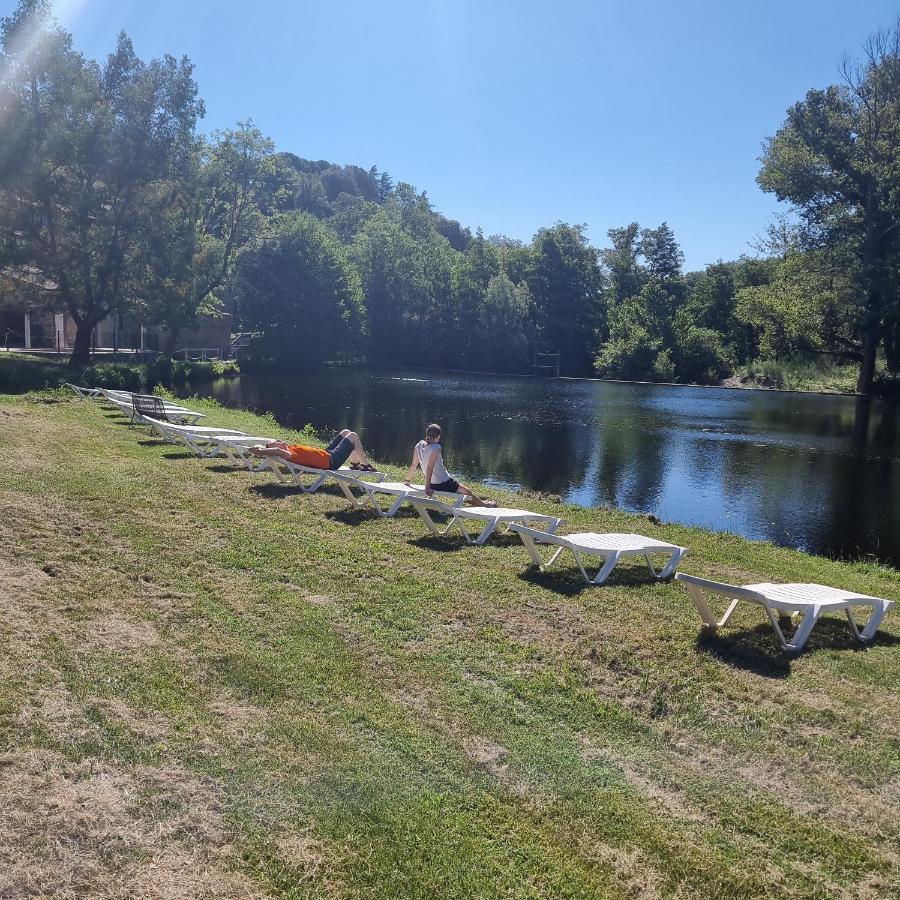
x,y
198,353
240,340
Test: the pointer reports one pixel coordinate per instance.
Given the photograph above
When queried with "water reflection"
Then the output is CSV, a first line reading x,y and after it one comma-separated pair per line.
x,y
809,471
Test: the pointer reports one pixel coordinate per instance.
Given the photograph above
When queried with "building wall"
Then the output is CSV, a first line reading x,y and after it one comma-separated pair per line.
x,y
44,322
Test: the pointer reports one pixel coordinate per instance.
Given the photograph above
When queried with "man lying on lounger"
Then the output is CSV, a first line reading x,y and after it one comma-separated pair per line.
x,y
345,445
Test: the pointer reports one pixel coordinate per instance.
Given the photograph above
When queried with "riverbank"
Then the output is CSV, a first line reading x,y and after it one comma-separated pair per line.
x,y
20,371
219,686
29,372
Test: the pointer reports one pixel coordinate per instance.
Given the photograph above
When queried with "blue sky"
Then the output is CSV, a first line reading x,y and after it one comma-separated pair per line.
x,y
515,115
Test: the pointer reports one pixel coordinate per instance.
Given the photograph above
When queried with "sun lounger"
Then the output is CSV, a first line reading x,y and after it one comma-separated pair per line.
x,y
608,547
291,473
489,516
236,448
85,393
811,600
150,406
369,492
124,402
202,439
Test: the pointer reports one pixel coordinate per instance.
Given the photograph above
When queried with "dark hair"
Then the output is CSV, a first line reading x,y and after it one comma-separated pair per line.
x,y
433,431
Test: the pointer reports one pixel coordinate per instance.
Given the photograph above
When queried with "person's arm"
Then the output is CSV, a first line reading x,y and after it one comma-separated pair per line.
x,y
413,465
429,468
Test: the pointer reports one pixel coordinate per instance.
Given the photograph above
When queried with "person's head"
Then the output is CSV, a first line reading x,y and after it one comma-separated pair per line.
x,y
433,433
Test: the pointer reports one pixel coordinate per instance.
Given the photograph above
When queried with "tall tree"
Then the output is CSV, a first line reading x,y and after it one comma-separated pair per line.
x,y
88,164
835,159
297,288
567,288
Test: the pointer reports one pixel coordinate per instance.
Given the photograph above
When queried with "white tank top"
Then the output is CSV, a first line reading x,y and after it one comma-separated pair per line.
x,y
425,451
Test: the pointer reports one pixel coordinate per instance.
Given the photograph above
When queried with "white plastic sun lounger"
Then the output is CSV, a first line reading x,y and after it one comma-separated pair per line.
x,y
369,491
291,473
85,393
811,600
236,449
202,439
489,516
122,400
609,547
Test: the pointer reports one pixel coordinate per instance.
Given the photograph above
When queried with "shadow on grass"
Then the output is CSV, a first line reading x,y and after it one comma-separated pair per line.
x,y
351,516
275,490
151,443
561,581
224,467
569,581
186,455
439,544
757,649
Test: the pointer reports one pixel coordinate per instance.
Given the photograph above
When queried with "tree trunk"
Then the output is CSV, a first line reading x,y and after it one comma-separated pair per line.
x,y
867,366
171,339
892,347
81,351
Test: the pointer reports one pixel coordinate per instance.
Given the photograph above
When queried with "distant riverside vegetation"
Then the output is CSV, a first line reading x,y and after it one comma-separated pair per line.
x,y
112,202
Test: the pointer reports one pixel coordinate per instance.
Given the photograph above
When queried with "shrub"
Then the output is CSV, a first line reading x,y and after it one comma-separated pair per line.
x,y
701,357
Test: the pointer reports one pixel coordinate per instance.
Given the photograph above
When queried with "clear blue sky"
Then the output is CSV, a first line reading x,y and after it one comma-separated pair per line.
x,y
515,114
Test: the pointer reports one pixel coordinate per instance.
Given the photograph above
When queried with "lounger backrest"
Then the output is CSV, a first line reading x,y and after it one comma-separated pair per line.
x,y
150,407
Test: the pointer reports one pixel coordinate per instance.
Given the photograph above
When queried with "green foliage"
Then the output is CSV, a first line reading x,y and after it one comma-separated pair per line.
x,y
631,351
818,373
567,287
803,308
505,313
835,160
701,356
297,289
100,150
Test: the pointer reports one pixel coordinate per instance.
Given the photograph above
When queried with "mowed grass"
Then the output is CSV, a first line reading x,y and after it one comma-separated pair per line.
x,y
212,685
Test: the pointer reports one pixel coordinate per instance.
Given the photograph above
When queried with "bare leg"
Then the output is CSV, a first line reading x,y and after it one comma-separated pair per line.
x,y
472,498
358,455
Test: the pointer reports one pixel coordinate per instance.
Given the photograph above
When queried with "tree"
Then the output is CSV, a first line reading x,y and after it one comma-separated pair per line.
x,y
88,166
211,217
297,288
567,287
646,301
501,340
804,307
835,159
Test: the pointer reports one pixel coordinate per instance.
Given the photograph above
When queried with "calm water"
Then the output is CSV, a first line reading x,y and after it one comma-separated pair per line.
x,y
821,473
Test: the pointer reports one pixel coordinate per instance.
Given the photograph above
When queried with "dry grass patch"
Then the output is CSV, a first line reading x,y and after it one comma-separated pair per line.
x,y
91,829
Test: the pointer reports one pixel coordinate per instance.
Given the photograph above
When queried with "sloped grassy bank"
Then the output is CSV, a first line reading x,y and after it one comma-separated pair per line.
x,y
211,685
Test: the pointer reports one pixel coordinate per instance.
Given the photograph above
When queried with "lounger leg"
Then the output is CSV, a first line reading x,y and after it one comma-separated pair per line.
x,y
801,634
868,632
271,463
605,569
670,566
316,483
345,490
486,532
426,517
532,549
709,620
391,511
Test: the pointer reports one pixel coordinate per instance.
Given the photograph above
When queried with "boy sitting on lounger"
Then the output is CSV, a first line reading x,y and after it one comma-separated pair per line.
x,y
345,445
429,456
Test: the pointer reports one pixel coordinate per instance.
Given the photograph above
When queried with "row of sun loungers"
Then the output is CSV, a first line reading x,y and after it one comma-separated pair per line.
x,y
177,424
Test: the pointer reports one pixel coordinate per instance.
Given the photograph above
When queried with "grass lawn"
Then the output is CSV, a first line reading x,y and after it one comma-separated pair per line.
x,y
214,686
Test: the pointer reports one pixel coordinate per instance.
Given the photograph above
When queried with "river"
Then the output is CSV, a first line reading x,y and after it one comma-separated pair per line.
x,y
816,472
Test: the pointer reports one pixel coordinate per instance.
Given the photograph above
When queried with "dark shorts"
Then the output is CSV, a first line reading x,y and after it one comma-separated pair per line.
x,y
450,486
339,450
